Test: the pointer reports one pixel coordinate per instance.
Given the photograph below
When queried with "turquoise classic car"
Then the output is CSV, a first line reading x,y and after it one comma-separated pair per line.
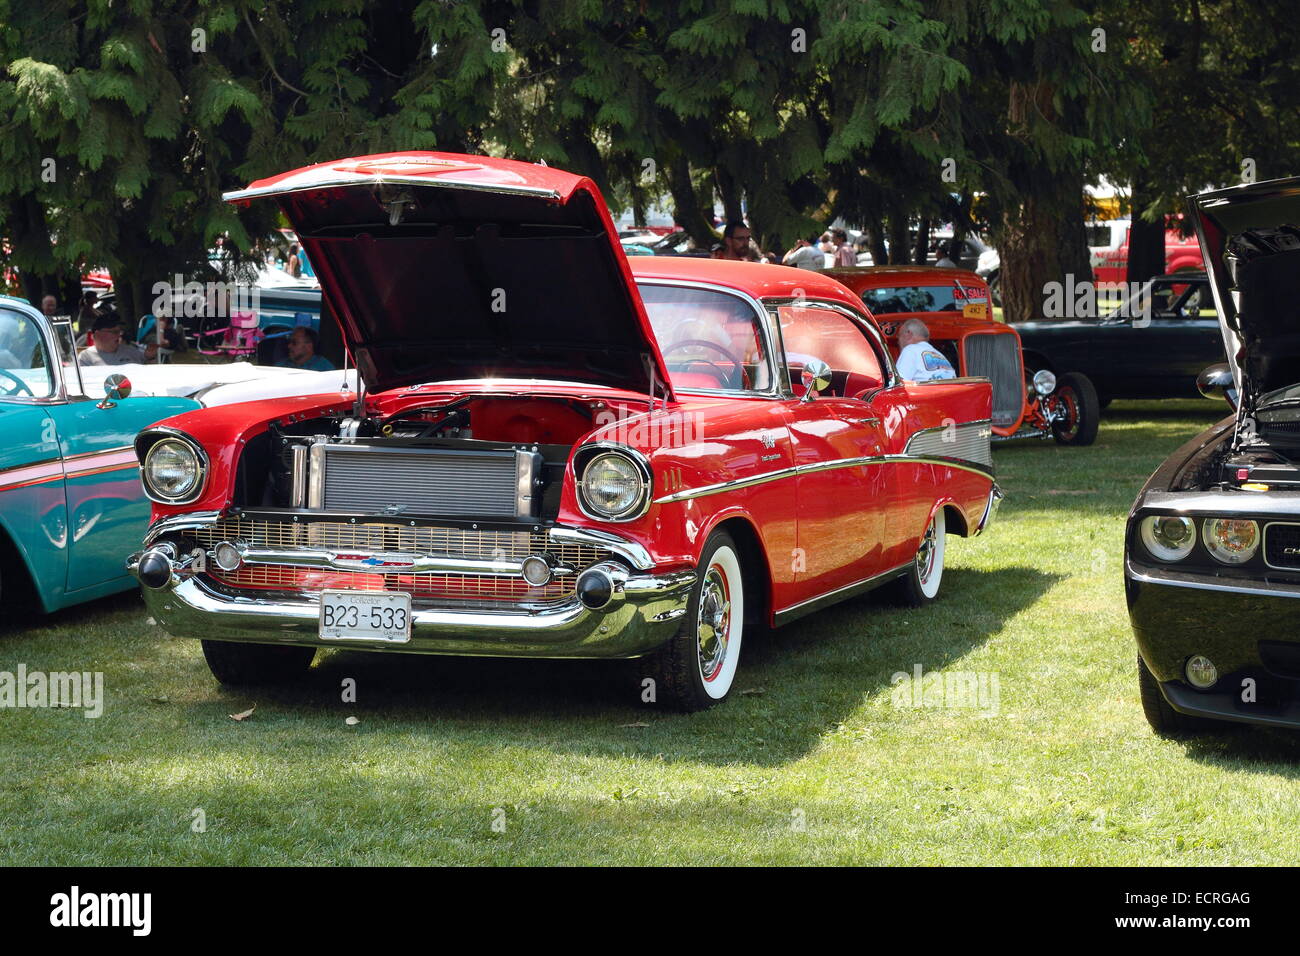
x,y
71,503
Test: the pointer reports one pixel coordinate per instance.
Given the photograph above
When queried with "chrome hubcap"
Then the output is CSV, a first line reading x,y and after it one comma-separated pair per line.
x,y
925,554
713,624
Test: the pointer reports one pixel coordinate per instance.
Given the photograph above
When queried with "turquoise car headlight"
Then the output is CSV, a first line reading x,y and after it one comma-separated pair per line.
x,y
1168,537
172,471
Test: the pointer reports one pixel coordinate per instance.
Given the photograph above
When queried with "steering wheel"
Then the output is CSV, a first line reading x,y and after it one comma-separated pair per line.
x,y
705,343
17,381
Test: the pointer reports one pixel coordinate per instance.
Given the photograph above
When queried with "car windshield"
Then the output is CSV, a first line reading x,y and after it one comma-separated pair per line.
x,y
921,298
709,340
25,370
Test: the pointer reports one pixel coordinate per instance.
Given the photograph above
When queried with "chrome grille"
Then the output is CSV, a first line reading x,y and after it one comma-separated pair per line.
x,y
387,536
1282,545
485,484
996,356
487,590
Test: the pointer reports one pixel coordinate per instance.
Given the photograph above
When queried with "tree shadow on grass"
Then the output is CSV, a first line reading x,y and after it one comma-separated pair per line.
x,y
792,688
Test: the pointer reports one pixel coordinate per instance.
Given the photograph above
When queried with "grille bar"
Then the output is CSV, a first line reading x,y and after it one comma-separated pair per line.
x,y
996,356
1282,545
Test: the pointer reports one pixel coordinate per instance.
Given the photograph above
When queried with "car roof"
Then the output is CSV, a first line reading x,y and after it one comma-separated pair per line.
x,y
759,279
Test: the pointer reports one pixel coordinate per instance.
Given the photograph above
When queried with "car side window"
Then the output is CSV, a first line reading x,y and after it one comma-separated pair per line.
x,y
809,331
25,370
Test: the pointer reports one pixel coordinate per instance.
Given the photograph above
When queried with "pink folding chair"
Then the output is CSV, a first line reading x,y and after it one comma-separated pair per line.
x,y
239,339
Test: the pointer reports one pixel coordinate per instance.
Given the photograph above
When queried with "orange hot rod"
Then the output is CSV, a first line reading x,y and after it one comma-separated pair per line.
x,y
955,306
555,453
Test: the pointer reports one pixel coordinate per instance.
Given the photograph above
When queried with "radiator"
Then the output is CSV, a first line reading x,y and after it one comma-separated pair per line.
x,y
369,479
996,356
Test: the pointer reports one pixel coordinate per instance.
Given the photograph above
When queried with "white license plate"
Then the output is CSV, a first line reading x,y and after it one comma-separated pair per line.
x,y
365,616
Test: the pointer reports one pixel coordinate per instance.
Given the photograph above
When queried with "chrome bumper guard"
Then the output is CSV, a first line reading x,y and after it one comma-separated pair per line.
x,y
990,509
640,614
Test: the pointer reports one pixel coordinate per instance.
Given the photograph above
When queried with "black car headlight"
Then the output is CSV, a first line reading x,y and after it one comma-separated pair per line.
x,y
615,486
173,471
1168,537
1231,540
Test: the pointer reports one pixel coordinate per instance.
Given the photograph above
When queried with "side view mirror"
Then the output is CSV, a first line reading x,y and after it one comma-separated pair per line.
x,y
1216,382
116,387
816,378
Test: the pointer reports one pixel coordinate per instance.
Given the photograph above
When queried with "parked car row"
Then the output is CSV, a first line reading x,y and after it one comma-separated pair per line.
x,y
652,458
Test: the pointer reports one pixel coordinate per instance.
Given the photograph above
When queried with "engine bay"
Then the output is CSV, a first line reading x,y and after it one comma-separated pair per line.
x,y
491,457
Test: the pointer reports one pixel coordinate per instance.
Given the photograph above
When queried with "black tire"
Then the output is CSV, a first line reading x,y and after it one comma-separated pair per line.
x,y
920,585
678,667
242,664
1075,389
1164,720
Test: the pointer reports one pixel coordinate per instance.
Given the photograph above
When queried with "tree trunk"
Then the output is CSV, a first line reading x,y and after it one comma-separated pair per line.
x,y
921,252
729,190
875,231
897,238
686,204
1146,240
1043,241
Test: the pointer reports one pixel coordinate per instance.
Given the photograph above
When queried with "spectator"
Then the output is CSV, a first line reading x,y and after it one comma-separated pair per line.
x,y
844,252
303,343
736,239
951,255
294,265
806,254
50,306
109,349
918,360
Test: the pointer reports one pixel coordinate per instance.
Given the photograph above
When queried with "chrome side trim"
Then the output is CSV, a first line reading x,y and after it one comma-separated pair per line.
x,y
796,611
242,195
735,483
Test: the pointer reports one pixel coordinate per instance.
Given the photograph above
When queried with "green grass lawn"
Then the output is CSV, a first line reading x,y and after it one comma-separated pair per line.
x,y
811,762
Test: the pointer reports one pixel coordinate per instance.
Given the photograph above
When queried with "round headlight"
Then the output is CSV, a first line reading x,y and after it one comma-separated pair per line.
x,y
1231,540
1168,537
612,485
1044,382
172,470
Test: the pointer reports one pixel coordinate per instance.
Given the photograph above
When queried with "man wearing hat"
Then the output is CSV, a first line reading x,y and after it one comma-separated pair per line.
x,y
109,349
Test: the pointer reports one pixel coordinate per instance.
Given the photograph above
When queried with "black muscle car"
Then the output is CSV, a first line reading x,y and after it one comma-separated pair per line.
x,y
1132,350
1212,547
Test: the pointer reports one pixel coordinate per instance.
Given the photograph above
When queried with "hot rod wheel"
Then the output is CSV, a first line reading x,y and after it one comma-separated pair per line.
x,y
1076,396
697,668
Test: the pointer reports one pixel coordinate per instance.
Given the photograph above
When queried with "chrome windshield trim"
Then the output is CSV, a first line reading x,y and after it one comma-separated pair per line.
x,y
760,314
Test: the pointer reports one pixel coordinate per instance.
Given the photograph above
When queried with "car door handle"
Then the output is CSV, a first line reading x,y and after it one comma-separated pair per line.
x,y
867,421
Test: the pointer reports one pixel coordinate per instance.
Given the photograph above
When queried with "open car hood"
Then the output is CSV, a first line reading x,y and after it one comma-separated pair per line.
x,y
440,266
1250,240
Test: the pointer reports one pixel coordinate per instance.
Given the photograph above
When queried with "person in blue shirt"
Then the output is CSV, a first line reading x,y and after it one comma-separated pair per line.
x,y
302,351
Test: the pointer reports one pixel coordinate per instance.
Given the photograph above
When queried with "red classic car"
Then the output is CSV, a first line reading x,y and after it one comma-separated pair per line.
x,y
955,307
556,453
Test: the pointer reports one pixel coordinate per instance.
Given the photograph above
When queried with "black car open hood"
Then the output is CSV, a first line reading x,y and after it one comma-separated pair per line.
x,y
1250,240
440,266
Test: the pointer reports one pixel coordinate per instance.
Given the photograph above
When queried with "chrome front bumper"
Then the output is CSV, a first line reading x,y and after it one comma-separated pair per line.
x,y
643,612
